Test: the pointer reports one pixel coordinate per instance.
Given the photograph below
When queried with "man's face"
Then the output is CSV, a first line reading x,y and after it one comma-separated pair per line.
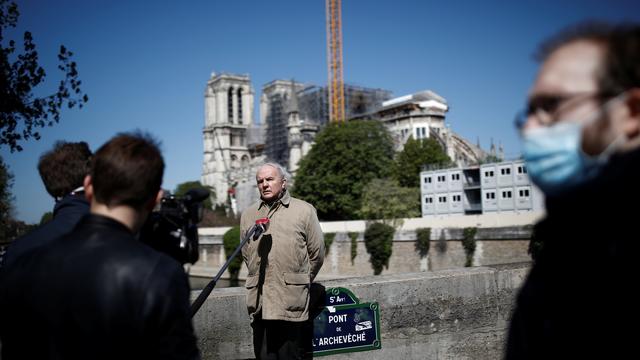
x,y
270,183
566,89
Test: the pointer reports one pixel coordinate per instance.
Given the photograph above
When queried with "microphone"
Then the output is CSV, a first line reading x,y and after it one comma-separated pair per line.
x,y
258,228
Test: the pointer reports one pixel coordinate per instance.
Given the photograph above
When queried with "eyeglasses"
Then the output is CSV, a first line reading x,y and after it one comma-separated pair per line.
x,y
545,108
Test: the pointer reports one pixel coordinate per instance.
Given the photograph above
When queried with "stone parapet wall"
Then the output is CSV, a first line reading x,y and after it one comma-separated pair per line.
x,y
449,314
494,245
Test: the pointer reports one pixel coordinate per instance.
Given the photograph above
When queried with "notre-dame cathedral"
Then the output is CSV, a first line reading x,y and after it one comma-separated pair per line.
x,y
291,114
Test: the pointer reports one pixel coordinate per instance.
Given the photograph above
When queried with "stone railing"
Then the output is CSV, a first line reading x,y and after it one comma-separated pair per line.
x,y
500,239
449,314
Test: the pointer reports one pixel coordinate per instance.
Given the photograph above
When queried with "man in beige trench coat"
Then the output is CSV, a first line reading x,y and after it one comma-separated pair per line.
x,y
282,263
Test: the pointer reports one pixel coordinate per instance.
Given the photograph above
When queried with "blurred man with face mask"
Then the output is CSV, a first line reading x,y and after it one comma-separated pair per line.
x,y
581,143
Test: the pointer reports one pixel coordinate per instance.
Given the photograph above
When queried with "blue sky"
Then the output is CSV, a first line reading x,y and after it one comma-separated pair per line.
x,y
145,64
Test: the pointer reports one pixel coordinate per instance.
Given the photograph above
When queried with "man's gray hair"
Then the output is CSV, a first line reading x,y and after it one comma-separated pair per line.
x,y
281,170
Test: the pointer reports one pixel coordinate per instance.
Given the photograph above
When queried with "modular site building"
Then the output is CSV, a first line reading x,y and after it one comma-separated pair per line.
x,y
486,188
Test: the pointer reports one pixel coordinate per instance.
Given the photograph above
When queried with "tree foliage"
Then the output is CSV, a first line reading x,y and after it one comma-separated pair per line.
x,y
345,157
231,240
22,113
415,154
469,244
423,241
328,240
378,239
386,200
6,199
354,246
10,228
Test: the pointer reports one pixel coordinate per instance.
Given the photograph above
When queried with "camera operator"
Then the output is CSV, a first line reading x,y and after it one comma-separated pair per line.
x,y
62,170
99,293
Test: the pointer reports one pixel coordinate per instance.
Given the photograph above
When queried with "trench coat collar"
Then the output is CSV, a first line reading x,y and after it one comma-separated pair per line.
x,y
285,200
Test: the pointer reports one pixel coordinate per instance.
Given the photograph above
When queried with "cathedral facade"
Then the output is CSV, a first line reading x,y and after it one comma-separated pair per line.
x,y
228,134
234,147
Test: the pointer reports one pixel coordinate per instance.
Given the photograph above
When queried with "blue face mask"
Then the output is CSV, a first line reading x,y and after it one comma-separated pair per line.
x,y
554,156
555,160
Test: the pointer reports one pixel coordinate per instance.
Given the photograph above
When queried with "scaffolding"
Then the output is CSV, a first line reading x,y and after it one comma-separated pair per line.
x,y
313,107
276,132
314,102
277,94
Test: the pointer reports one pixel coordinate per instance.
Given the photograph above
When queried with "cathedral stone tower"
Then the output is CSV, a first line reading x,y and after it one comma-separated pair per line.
x,y
300,132
294,135
228,117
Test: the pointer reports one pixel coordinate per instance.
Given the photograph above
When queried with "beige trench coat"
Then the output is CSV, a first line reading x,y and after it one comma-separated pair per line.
x,y
284,260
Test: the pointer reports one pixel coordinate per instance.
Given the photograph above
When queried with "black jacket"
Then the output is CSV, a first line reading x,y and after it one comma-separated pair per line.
x,y
96,293
66,214
578,299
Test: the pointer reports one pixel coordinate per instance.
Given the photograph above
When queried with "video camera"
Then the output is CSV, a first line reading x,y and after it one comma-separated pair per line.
x,y
172,229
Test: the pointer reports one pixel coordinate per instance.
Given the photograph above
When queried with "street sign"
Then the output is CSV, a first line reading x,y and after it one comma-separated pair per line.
x,y
340,296
346,326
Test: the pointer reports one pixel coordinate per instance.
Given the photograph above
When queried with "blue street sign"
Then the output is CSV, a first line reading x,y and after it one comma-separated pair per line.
x,y
347,326
340,296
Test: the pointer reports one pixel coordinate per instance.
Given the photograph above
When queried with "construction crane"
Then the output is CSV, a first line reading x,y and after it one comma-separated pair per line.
x,y
334,61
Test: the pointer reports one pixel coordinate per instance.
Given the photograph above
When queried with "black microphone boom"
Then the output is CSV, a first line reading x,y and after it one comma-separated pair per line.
x,y
254,232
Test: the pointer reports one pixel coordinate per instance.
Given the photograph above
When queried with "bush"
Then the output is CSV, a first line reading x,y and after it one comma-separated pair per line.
x,y
231,240
354,246
328,240
423,241
469,244
378,239
535,244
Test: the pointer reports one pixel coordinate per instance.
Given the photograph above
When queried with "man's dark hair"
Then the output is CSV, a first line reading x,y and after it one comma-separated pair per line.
x,y
127,170
63,168
621,67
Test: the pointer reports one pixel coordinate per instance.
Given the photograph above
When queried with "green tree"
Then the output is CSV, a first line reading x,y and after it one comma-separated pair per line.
x,y
231,240
378,239
183,188
10,228
21,112
415,154
6,199
345,157
386,200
